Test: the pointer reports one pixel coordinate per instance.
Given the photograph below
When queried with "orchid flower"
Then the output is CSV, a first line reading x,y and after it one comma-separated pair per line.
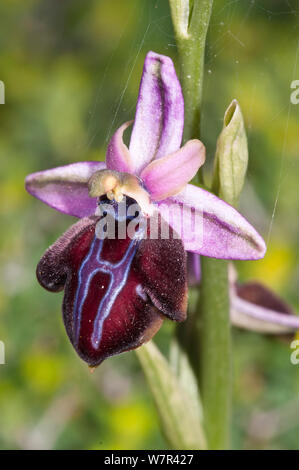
x,y
118,291
253,306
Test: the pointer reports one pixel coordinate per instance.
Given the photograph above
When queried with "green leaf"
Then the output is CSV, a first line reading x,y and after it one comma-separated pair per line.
x,y
179,409
231,157
181,366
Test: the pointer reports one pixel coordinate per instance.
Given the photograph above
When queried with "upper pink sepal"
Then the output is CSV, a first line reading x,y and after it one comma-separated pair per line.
x,y
159,120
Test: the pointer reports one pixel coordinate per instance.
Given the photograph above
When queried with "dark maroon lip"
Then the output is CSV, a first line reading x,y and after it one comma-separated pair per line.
x,y
116,291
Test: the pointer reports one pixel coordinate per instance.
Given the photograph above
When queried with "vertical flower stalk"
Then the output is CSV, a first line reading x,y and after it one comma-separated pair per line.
x,y
215,351
230,167
191,21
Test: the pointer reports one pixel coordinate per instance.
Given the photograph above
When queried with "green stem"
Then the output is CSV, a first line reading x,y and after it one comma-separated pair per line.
x,y
191,21
215,352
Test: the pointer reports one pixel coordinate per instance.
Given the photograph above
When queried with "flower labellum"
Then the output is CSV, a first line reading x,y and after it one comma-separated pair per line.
x,y
117,291
123,274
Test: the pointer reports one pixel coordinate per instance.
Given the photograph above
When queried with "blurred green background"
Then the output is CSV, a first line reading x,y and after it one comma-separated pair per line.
x,y
71,71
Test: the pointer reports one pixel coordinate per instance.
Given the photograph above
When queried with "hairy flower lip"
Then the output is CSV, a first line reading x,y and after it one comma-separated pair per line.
x,y
112,300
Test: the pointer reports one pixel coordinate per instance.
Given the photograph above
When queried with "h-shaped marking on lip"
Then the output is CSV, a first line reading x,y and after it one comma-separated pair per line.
x,y
118,273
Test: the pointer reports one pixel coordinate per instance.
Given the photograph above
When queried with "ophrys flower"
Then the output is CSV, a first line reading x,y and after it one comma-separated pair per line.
x,y
117,291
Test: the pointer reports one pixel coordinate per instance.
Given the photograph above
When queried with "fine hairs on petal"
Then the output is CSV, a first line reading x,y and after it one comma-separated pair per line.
x,y
116,291
52,269
163,270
